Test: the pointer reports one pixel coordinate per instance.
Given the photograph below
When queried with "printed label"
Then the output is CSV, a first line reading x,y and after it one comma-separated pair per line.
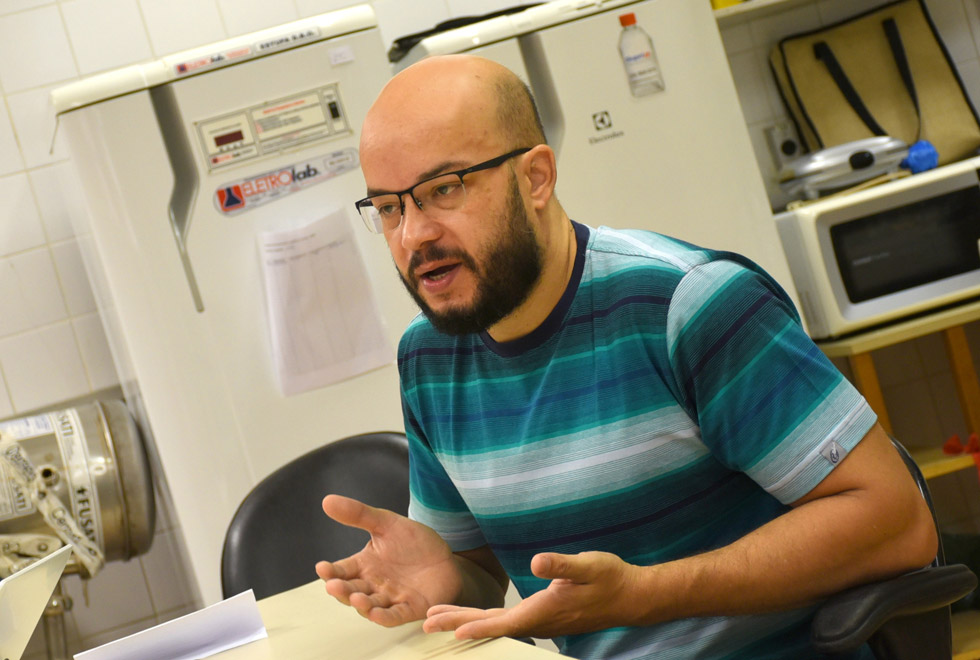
x,y
287,40
238,196
15,502
212,61
84,498
833,452
27,427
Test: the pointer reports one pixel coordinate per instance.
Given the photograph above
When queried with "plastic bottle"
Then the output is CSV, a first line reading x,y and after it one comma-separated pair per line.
x,y
639,58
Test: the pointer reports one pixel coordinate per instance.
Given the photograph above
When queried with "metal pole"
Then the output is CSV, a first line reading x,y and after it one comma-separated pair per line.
x,y
54,624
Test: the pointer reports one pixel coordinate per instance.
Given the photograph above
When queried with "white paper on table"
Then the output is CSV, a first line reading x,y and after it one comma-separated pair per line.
x,y
323,315
222,626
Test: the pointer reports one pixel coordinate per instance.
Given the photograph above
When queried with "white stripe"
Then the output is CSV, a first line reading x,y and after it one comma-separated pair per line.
x,y
650,251
571,466
814,454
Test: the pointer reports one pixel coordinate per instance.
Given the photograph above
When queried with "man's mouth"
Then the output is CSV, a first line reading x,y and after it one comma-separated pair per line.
x,y
438,273
436,268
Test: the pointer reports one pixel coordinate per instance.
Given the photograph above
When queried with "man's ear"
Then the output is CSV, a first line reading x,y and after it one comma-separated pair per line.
x,y
542,173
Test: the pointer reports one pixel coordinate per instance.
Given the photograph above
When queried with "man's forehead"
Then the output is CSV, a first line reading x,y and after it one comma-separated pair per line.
x,y
392,172
393,155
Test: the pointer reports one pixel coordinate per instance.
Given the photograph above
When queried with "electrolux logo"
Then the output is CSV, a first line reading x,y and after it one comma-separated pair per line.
x,y
603,123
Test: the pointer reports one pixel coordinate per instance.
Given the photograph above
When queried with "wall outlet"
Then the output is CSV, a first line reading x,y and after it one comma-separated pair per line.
x,y
783,143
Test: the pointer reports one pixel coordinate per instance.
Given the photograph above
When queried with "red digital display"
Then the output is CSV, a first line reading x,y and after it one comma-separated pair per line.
x,y
222,140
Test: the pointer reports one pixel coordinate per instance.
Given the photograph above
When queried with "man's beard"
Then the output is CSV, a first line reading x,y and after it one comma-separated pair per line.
x,y
510,269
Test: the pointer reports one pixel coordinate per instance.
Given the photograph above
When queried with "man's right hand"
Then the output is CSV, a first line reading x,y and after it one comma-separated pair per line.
x,y
404,569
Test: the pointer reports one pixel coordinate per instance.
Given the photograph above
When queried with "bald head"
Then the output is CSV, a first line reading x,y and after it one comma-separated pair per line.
x,y
454,97
504,254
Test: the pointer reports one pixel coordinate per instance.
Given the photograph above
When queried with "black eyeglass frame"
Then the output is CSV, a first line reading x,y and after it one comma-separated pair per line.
x,y
485,165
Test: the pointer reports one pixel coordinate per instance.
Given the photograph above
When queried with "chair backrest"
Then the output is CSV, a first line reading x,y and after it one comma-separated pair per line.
x,y
280,531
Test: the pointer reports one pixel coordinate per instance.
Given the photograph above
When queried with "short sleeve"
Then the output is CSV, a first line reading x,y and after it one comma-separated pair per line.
x,y
768,402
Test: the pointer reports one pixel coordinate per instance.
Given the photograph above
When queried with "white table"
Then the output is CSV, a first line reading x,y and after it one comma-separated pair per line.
x,y
305,623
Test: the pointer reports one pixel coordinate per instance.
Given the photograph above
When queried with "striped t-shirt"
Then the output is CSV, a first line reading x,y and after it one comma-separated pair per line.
x,y
669,404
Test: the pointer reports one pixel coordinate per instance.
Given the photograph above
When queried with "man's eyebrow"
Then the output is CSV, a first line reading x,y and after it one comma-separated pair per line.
x,y
441,168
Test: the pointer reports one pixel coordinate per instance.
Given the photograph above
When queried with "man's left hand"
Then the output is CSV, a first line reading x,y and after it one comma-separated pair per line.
x,y
589,591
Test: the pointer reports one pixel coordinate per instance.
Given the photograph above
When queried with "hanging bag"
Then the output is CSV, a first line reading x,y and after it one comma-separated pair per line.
x,y
885,72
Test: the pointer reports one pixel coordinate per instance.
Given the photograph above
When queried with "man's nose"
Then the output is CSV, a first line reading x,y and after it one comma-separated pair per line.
x,y
417,227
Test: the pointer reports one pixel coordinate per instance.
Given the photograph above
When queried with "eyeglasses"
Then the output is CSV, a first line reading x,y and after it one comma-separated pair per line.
x,y
443,192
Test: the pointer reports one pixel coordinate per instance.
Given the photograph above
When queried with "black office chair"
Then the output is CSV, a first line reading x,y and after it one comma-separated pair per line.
x,y
903,618
280,531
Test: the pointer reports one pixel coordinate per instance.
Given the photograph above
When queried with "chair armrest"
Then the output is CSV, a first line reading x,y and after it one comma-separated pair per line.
x,y
847,620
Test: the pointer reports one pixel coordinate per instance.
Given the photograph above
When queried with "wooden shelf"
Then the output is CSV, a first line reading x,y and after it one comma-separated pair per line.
x,y
752,9
966,635
934,463
901,331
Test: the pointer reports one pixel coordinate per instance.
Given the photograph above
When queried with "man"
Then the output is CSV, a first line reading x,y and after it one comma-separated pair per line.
x,y
635,431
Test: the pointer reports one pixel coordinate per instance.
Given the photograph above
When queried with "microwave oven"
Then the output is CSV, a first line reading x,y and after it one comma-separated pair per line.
x,y
887,253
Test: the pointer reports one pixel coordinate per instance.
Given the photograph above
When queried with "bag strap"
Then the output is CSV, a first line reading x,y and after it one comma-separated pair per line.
x,y
822,52
901,61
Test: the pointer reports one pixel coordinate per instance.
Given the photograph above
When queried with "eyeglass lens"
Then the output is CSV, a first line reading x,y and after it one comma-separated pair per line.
x,y
444,193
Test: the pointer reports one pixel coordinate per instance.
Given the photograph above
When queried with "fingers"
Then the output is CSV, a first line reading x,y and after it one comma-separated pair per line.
x,y
353,513
469,622
379,608
363,596
372,605
394,615
342,569
342,590
580,568
554,566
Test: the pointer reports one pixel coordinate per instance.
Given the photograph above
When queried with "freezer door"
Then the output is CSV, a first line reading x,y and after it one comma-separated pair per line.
x,y
677,160
184,295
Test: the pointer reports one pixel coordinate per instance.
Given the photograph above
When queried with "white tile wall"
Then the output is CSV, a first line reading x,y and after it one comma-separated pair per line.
x,y
243,16
71,274
34,49
52,204
11,6
31,294
33,119
314,7
105,34
20,222
43,366
52,347
10,160
176,25
95,351
6,405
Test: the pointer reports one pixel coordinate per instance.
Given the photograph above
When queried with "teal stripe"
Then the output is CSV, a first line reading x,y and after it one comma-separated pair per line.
x,y
444,381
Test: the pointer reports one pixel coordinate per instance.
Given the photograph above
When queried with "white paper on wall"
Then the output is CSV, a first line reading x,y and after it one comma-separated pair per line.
x,y
323,315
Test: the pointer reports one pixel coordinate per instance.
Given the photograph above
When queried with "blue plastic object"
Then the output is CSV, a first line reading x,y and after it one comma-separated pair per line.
x,y
922,156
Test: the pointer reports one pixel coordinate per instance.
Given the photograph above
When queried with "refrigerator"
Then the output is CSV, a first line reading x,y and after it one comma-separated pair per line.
x,y
642,113
250,315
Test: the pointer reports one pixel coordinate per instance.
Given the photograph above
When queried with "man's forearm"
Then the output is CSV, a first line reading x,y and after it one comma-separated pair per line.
x,y
827,543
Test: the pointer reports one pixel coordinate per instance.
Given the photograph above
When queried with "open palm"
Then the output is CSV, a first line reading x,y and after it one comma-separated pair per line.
x,y
402,571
